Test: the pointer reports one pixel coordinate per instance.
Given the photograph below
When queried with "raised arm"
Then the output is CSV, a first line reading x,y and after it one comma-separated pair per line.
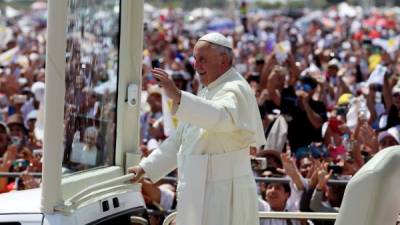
x,y
387,93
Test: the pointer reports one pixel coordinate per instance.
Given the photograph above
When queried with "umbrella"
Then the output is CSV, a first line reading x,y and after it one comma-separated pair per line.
x,y
221,25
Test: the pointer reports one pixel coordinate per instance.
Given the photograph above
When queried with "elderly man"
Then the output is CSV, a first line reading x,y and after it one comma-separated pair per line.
x,y
211,145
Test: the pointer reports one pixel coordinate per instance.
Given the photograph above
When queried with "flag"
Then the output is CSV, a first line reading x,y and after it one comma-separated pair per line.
x,y
377,75
389,45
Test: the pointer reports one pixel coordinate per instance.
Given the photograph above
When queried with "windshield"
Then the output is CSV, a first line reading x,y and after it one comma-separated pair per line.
x,y
91,81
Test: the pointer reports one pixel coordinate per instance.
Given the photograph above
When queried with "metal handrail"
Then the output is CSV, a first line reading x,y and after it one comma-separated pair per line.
x,y
139,220
297,215
280,215
277,215
174,179
15,174
272,180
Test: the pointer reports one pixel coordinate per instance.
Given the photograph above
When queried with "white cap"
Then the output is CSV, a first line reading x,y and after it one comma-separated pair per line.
x,y
38,90
218,39
396,88
391,132
37,86
334,62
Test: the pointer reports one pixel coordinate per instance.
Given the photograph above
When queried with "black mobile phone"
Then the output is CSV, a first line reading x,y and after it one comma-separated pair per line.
x,y
335,169
367,42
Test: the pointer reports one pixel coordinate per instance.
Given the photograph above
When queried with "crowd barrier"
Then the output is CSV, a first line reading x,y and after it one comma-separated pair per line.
x,y
280,215
277,215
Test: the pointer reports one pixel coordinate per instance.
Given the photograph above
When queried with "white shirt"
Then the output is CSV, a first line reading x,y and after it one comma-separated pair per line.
x,y
264,206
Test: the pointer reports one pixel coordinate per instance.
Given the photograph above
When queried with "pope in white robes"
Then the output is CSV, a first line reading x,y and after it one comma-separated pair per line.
x,y
211,145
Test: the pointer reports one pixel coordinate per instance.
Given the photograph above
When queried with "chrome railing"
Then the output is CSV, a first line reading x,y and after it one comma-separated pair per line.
x,y
271,180
14,174
281,215
277,215
174,179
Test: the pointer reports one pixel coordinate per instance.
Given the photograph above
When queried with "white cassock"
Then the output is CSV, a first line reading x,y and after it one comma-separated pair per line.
x,y
211,150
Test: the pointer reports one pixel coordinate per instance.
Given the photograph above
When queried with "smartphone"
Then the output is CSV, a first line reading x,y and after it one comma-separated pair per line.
x,y
335,169
155,63
367,42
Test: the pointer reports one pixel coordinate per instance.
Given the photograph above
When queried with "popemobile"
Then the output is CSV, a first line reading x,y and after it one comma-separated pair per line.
x,y
91,126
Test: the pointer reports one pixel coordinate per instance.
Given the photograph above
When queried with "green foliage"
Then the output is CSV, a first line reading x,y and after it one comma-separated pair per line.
x,y
268,5
189,4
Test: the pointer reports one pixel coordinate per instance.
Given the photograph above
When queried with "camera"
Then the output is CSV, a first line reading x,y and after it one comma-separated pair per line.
x,y
37,153
259,163
19,99
16,141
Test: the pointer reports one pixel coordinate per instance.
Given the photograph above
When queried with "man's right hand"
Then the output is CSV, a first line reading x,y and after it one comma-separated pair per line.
x,y
138,172
168,84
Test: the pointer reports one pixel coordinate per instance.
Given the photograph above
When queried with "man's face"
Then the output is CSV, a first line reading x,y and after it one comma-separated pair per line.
x,y
16,130
208,62
154,100
396,99
332,71
276,196
279,81
90,140
305,166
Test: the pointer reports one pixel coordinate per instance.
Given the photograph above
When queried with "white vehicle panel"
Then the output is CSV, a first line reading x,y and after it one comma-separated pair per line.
x,y
15,209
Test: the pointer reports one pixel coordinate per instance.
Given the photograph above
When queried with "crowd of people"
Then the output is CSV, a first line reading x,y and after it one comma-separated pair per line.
x,y
22,62
327,88
326,84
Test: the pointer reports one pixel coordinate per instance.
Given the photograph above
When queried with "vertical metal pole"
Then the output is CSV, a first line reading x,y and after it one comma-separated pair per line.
x,y
54,105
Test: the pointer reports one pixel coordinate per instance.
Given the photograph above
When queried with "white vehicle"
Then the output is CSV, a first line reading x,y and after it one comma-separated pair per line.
x,y
91,118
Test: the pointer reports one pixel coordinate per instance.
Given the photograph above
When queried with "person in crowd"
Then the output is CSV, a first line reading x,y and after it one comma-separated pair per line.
x,y
303,114
284,196
326,198
87,153
148,118
18,132
388,138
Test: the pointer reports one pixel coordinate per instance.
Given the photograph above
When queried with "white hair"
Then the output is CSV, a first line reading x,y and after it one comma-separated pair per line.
x,y
224,50
91,132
